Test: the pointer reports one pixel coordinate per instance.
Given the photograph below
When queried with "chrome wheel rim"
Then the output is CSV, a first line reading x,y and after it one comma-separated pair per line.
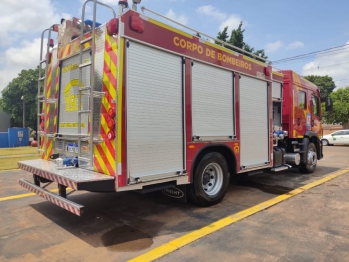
x,y
324,142
312,158
212,179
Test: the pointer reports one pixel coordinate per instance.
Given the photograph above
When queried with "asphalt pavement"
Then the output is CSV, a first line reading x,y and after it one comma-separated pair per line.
x,y
121,226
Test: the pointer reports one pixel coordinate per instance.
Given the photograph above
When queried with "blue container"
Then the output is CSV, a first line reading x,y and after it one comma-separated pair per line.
x,y
18,137
3,139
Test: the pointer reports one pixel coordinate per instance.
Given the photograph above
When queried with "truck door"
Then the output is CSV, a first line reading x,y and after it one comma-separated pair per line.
x,y
315,114
302,113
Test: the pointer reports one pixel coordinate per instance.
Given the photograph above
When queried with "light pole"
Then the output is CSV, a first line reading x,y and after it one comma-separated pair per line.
x,y
22,97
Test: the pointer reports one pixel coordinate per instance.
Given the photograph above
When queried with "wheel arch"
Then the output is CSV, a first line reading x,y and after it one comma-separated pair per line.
x,y
312,137
223,149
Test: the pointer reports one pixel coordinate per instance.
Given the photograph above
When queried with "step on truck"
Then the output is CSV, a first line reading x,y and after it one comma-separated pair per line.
x,y
137,104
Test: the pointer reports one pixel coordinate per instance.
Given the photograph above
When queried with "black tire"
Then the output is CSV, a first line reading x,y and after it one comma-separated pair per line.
x,y
205,190
325,142
310,160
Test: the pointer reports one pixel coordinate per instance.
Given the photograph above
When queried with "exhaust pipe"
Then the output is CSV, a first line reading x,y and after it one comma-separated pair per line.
x,y
293,158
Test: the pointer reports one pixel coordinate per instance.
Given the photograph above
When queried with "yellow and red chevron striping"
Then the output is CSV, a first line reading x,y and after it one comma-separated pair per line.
x,y
104,153
47,115
73,47
56,97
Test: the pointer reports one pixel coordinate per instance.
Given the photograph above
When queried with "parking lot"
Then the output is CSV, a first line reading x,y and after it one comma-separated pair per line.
x,y
312,225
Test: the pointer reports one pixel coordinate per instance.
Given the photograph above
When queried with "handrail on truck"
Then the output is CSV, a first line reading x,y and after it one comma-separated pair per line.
x,y
201,33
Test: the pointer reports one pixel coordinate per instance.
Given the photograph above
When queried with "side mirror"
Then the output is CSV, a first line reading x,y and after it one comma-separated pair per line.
x,y
329,104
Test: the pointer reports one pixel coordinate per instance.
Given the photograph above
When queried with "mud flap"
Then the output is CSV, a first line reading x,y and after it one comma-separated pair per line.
x,y
177,193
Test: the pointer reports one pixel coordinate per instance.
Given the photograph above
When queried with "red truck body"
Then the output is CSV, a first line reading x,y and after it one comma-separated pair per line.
x,y
135,104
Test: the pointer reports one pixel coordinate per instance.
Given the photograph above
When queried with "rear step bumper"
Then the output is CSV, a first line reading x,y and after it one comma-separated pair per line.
x,y
52,197
75,178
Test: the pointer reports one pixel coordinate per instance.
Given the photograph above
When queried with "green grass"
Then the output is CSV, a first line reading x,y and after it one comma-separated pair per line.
x,y
11,163
25,150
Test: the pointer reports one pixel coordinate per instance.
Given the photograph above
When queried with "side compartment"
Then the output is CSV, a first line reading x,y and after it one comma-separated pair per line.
x,y
154,104
212,103
254,123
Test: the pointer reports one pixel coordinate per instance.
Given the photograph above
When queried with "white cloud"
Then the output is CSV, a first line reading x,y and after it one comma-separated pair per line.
x,y
295,45
20,20
183,19
272,47
232,22
26,56
19,17
212,11
335,65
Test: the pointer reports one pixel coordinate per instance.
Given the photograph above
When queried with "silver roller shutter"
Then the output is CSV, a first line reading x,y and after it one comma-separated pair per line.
x,y
254,122
212,101
276,90
154,113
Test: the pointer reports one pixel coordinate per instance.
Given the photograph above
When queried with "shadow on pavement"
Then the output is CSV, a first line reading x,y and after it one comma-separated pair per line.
x,y
129,221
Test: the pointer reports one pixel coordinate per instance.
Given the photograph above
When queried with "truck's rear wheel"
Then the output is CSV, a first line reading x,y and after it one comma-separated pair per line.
x,y
310,160
211,180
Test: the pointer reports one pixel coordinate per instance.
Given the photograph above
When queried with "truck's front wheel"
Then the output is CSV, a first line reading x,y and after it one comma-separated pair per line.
x,y
310,160
211,180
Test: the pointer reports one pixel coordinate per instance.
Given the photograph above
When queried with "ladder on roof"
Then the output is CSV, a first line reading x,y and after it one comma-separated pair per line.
x,y
42,89
88,89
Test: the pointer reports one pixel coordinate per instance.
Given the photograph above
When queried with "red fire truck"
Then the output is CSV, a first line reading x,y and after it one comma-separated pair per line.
x,y
136,104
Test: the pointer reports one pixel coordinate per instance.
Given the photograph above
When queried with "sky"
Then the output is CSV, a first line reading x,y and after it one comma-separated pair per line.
x,y
283,29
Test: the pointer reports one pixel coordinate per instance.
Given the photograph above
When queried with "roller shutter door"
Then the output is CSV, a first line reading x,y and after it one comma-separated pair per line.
x,y
154,113
277,87
254,122
212,101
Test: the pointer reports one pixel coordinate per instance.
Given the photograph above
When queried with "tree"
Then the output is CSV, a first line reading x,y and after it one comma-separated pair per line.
x,y
222,36
325,84
237,39
26,84
340,112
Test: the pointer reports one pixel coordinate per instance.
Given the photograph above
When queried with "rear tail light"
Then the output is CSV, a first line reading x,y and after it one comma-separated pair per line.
x,y
111,112
111,124
111,135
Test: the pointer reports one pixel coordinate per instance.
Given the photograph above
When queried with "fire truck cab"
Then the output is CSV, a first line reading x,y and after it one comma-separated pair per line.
x,y
136,104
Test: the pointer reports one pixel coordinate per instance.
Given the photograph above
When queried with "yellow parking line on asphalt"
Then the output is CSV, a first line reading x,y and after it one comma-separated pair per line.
x,y
25,195
197,234
6,170
22,195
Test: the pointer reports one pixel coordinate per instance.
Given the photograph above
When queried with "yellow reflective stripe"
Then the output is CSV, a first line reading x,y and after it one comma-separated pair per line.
x,y
119,90
253,60
278,74
169,28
